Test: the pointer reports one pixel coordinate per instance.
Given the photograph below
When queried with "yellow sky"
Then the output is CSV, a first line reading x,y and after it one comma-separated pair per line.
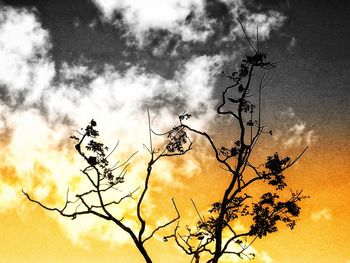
x,y
29,234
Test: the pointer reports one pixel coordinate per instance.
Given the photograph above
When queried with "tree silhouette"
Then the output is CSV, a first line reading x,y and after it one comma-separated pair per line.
x,y
214,234
105,178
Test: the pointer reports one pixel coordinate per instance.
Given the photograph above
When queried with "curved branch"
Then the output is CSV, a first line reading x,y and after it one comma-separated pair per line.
x,y
247,37
166,224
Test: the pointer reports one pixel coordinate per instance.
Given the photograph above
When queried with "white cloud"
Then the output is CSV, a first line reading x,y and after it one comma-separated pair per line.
x,y
260,256
112,95
171,15
292,44
8,196
117,101
266,22
75,72
140,16
310,137
288,113
265,257
298,128
297,135
190,168
294,132
152,13
196,75
324,214
92,24
24,45
37,144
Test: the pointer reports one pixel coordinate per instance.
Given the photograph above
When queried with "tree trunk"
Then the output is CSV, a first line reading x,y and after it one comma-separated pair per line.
x,y
145,255
140,246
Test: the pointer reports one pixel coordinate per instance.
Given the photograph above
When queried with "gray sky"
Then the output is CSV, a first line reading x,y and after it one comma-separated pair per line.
x,y
161,38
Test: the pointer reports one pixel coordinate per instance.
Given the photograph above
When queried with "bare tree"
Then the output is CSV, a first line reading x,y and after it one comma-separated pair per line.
x,y
214,235
105,178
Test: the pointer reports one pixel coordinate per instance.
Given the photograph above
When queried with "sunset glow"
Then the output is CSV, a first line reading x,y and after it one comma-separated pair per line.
x,y
64,64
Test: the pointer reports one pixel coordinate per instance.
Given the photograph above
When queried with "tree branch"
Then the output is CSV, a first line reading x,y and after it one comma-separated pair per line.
x,y
166,224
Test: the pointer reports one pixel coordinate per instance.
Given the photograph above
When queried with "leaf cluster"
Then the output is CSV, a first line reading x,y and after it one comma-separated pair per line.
x,y
275,167
177,136
270,210
96,153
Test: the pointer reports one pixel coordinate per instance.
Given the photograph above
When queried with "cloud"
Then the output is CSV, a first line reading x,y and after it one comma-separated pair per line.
x,y
141,16
324,214
37,114
75,72
294,132
266,22
25,72
192,21
260,256
264,257
292,44
25,67
289,113
8,197
125,95
297,135
41,107
310,137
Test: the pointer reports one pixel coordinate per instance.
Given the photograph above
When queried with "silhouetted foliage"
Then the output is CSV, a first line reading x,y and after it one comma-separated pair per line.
x,y
104,178
214,234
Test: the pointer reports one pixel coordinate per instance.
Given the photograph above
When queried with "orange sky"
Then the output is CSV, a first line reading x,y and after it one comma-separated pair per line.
x,y
66,62
29,234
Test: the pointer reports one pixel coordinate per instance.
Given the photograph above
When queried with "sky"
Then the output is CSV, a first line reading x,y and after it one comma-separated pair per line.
x,y
66,62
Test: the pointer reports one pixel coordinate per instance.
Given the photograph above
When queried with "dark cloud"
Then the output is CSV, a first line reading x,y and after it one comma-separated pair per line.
x,y
267,5
190,17
216,9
